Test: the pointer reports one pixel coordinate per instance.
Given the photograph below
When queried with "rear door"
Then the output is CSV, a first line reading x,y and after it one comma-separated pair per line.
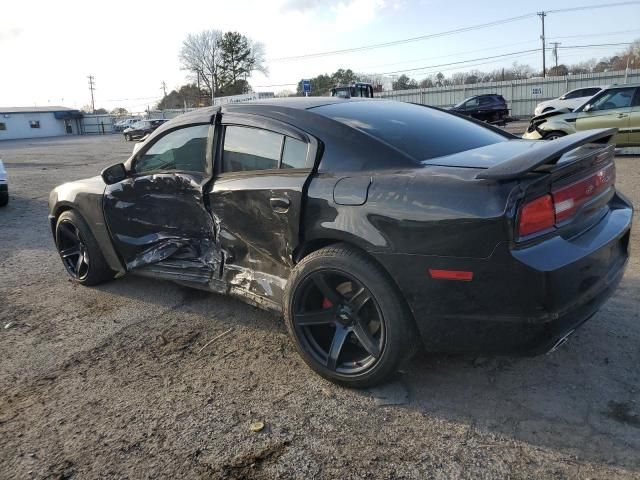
x,y
257,199
612,108
157,215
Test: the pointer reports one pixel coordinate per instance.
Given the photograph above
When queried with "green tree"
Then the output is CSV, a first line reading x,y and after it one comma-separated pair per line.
x,y
238,60
404,83
120,111
186,96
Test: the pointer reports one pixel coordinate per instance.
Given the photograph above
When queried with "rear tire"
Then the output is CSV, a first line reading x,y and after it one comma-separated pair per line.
x,y
4,199
347,319
79,250
553,135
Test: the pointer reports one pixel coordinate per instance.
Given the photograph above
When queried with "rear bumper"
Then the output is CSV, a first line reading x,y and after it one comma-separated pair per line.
x,y
519,301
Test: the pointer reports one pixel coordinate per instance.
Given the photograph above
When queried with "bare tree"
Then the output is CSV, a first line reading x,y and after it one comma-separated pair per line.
x,y
201,55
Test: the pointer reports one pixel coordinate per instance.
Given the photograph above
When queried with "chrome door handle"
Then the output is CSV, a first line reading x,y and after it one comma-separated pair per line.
x,y
280,205
622,115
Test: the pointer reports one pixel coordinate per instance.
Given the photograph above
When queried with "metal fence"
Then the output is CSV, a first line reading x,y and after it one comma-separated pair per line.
x,y
97,124
521,95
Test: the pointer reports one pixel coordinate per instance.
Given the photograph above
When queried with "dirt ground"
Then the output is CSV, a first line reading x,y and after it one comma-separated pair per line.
x,y
117,381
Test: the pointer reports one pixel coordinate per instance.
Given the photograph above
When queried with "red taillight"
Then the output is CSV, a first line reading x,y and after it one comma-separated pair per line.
x,y
569,199
536,216
561,204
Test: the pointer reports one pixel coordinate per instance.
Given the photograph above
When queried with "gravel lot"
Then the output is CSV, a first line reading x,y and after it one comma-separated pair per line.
x,y
114,382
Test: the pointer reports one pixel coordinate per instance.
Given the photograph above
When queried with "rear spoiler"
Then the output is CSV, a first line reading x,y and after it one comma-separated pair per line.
x,y
549,152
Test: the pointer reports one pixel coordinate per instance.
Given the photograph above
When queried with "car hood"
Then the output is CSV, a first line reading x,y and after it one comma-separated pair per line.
x,y
487,156
566,112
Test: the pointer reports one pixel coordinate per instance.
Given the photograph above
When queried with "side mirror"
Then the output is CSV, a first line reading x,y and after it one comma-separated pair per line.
x,y
587,108
114,174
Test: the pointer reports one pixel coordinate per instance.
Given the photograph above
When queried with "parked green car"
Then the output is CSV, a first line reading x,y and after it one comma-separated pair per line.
x,y
615,106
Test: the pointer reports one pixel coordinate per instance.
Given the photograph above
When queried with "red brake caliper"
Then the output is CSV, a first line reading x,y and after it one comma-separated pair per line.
x,y
326,303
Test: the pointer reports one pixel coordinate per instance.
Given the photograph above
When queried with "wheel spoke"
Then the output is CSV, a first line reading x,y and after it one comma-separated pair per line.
x,y
321,282
339,337
78,265
368,342
70,252
358,300
318,317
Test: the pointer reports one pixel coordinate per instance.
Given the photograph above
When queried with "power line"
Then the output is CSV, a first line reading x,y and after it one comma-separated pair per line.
x,y
406,40
599,45
461,62
448,32
592,7
441,56
522,53
585,35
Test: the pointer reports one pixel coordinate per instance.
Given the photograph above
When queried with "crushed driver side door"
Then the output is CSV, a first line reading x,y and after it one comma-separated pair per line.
x,y
157,216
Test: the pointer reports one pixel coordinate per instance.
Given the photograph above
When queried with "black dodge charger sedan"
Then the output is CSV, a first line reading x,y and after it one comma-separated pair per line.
x,y
371,225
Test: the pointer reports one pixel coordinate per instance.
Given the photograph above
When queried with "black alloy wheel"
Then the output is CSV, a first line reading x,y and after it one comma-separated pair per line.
x,y
347,318
339,321
73,250
79,251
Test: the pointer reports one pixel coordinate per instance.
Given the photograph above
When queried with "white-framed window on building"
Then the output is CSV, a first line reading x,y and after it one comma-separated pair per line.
x,y
34,123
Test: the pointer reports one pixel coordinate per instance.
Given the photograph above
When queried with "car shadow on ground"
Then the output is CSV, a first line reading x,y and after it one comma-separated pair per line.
x,y
582,399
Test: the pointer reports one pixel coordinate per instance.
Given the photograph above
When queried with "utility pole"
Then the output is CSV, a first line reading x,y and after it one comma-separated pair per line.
x,y
164,88
555,53
544,59
92,87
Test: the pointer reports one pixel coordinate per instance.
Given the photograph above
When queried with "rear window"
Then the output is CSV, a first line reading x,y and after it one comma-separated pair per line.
x,y
421,132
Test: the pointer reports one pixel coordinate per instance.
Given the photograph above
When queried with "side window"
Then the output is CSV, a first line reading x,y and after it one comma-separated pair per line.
x,y
486,101
618,98
590,92
636,98
294,154
574,94
248,149
180,150
471,103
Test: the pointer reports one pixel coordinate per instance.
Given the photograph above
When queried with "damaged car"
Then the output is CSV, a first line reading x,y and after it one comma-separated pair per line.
x,y
372,226
617,106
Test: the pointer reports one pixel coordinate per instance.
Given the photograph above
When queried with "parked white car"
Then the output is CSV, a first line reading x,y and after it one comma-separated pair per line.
x,y
572,99
4,186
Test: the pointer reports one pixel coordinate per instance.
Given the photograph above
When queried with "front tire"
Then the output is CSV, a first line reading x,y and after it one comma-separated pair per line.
x,y
347,319
79,250
553,135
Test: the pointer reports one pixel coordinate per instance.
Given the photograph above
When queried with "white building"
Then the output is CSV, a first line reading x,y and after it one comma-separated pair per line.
x,y
34,122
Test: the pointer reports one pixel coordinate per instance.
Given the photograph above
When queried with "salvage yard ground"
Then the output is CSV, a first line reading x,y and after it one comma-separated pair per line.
x,y
118,381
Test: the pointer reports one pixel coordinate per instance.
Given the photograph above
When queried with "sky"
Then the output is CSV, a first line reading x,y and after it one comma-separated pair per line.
x,y
47,48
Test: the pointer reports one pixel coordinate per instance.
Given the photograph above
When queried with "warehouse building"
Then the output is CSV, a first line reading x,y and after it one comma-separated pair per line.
x,y
35,122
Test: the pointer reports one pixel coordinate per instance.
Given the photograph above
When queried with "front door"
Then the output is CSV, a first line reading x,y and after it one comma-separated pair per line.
x,y
157,216
256,199
610,109
634,120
